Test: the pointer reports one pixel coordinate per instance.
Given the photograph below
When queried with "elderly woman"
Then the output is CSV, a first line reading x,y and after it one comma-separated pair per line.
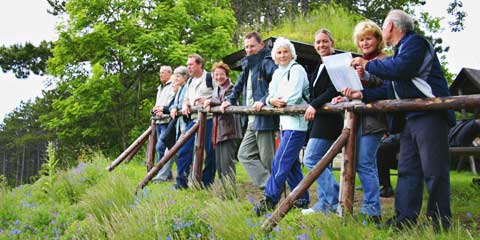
x,y
226,127
183,169
326,127
289,86
368,38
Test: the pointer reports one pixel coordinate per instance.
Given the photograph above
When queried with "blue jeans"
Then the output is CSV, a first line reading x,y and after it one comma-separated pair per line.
x,y
185,158
160,146
367,146
328,187
286,166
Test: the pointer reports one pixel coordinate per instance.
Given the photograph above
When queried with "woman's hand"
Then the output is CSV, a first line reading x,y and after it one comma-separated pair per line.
x,y
206,105
310,113
338,99
277,102
352,94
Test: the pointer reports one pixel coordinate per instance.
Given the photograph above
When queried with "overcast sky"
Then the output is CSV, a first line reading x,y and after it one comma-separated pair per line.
x,y
28,21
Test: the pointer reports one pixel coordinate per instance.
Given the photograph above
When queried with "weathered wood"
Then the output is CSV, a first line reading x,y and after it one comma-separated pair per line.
x,y
347,175
168,155
465,150
307,181
425,104
199,149
133,153
137,143
152,141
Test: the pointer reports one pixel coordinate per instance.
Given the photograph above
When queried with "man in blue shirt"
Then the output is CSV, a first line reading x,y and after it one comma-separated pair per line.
x,y
414,72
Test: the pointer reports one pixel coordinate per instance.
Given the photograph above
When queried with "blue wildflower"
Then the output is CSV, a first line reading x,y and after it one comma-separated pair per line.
x,y
267,215
276,229
17,222
15,231
252,237
1,230
319,232
469,215
364,222
251,199
302,237
168,238
290,228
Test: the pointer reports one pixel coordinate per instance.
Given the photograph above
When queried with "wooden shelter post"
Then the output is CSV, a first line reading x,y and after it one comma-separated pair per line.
x,y
152,141
199,149
347,175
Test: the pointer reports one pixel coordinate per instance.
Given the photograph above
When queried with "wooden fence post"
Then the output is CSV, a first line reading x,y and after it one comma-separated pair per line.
x,y
307,181
168,155
131,150
199,156
152,141
347,176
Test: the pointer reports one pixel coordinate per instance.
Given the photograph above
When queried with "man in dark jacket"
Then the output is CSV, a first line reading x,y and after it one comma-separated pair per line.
x,y
414,72
258,147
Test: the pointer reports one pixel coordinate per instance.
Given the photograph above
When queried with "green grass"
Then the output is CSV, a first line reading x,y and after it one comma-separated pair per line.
x,y
88,202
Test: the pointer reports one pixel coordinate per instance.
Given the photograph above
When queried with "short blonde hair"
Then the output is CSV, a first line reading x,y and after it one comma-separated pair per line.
x,y
221,65
367,27
282,42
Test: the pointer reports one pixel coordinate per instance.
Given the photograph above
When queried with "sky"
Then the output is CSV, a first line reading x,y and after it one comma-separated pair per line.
x,y
28,21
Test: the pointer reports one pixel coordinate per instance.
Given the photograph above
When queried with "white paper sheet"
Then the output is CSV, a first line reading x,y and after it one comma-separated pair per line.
x,y
341,73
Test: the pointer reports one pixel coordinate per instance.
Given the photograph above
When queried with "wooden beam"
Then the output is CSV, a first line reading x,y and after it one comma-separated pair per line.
x,y
168,155
347,175
199,150
306,182
152,141
125,154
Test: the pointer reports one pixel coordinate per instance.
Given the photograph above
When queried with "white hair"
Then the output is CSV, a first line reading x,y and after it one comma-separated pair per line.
x,y
401,20
167,68
282,42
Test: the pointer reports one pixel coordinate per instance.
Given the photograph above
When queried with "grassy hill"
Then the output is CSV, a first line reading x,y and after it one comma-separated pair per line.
x,y
87,202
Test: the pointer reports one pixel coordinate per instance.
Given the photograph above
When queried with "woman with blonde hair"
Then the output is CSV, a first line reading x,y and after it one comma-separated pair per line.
x,y
372,126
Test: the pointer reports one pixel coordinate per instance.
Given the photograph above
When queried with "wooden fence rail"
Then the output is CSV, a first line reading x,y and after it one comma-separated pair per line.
x,y
347,138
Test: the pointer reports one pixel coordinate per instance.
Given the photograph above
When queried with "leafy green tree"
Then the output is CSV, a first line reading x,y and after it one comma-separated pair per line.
x,y
23,59
107,59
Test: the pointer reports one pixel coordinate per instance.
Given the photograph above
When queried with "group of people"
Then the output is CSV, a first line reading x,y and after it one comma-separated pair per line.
x,y
274,78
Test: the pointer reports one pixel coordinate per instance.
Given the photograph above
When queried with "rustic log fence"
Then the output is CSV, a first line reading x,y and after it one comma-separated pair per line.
x,y
347,139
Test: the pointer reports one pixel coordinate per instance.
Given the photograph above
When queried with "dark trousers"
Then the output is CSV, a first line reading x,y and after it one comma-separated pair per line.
x,y
185,158
386,160
286,165
424,157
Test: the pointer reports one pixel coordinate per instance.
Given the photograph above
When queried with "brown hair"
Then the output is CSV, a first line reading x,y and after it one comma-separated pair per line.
x,y
198,59
255,35
221,65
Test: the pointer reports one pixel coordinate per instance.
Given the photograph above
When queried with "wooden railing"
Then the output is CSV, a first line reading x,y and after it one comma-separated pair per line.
x,y
346,139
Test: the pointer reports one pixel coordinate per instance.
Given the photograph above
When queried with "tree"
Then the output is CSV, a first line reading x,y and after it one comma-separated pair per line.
x,y
107,59
23,59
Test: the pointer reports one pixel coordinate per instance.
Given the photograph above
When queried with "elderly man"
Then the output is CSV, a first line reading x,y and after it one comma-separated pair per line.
x,y
165,95
198,89
258,145
414,72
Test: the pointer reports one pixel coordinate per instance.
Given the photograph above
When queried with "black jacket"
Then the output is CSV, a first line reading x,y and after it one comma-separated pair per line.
x,y
324,125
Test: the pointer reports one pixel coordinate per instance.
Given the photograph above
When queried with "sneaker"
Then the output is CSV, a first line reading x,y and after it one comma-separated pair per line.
x,y
266,204
308,211
301,203
386,192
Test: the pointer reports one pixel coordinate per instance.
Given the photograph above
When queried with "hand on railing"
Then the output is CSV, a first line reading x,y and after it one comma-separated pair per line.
x,y
257,106
309,113
224,106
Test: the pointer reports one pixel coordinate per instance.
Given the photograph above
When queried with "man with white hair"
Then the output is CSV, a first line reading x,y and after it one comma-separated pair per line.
x,y
165,95
414,71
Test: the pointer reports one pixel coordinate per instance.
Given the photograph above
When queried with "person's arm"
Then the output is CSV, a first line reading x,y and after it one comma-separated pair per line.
x,y
272,90
327,95
376,93
405,65
237,89
298,77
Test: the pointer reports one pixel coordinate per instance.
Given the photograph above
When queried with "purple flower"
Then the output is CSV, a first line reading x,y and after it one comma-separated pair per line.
x,y
251,199
267,215
55,214
17,222
252,237
168,238
364,223
290,228
15,231
319,232
469,215
276,229
1,230
302,237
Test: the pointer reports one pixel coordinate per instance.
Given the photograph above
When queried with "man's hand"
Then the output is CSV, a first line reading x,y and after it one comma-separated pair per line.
x,y
199,101
358,61
277,102
360,71
257,106
310,113
206,105
173,113
224,106
186,110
